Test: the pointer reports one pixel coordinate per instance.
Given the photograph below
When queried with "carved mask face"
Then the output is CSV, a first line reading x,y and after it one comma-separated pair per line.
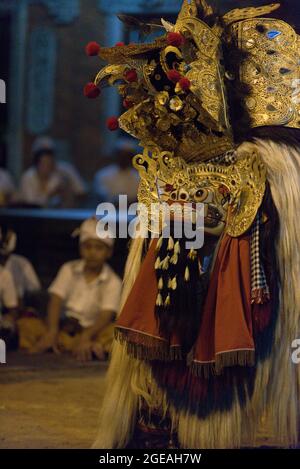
x,y
231,194
193,190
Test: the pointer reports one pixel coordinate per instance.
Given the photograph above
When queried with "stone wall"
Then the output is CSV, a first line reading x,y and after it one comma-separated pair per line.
x,y
76,121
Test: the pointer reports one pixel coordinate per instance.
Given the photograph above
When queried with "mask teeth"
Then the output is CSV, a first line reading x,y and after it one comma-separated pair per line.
x,y
165,263
170,244
160,283
167,300
174,259
192,254
174,283
177,248
157,263
159,300
159,243
186,274
169,283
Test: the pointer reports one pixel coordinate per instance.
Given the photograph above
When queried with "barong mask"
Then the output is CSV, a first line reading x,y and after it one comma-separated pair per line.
x,y
186,95
230,192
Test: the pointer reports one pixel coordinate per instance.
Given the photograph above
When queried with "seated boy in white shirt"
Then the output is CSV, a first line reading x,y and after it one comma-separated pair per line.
x,y
88,292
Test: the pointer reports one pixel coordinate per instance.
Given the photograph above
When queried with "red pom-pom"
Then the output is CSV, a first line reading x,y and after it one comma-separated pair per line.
x,y
127,103
92,48
130,75
173,75
120,44
184,83
175,39
112,123
91,90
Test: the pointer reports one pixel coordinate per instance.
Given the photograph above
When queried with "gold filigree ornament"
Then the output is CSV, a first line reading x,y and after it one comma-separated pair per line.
x,y
206,72
271,71
231,194
200,129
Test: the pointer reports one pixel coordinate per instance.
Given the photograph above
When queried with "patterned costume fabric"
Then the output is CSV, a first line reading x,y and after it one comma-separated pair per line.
x,y
259,286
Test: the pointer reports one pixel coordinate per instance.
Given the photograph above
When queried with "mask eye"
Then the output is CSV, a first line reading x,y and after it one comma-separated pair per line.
x,y
183,195
173,195
200,195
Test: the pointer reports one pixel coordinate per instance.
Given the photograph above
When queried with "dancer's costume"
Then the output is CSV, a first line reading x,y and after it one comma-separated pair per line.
x,y
202,354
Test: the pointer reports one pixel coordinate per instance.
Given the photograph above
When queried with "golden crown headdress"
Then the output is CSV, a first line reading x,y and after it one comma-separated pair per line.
x,y
176,87
181,93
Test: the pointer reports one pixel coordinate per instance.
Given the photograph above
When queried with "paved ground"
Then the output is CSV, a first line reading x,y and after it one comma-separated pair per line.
x,y
49,402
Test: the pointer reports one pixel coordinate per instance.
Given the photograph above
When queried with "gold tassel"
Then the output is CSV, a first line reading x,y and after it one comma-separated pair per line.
x,y
172,283
159,243
192,254
168,300
174,259
157,263
177,248
165,263
186,274
160,283
159,300
170,244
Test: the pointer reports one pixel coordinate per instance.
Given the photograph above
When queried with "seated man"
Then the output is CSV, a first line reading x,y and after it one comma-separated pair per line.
x,y
48,182
7,188
119,177
87,291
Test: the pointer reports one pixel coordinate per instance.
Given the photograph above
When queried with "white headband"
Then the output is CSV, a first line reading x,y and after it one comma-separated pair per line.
x,y
90,230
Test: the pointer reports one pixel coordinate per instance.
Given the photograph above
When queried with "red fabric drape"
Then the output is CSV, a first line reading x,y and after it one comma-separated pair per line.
x,y
225,333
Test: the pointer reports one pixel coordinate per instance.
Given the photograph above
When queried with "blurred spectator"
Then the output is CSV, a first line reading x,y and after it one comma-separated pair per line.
x,y
7,187
8,292
87,291
22,271
50,183
8,302
118,178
